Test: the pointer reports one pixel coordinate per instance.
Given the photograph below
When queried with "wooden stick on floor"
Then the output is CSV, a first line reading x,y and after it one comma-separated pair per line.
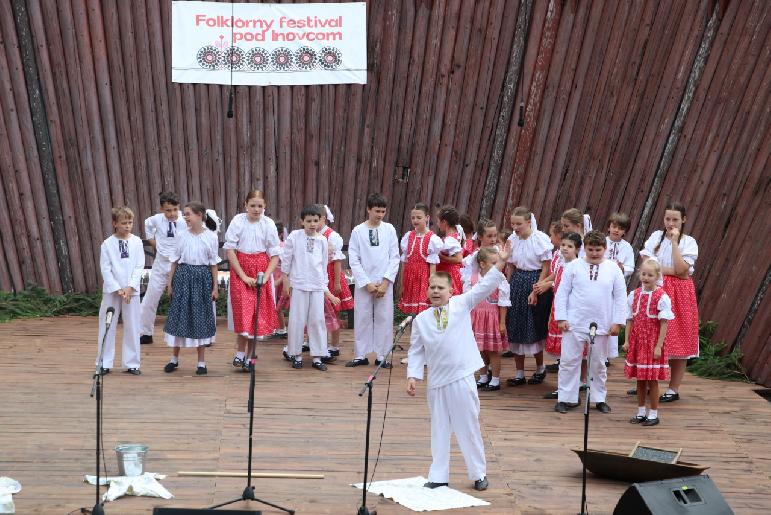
x,y
281,475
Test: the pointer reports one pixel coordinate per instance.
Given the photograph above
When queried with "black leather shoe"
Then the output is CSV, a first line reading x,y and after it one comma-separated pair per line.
x,y
201,371
334,352
633,391
551,395
170,367
650,422
637,419
145,339
571,405
328,359
306,348
670,397
297,363
481,384
287,356
491,388
434,485
386,364
561,407
537,378
516,381
507,354
554,367
318,365
134,371
357,362
603,407
238,362
481,484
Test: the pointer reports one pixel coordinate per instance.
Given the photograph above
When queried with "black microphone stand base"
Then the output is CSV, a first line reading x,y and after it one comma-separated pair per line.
x,y
98,509
364,511
248,495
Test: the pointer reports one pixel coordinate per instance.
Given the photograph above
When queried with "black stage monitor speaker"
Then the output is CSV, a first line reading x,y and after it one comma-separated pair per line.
x,y
684,495
205,511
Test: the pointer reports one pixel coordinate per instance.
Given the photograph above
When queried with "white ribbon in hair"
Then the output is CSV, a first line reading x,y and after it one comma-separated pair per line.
x,y
461,233
587,223
213,215
330,216
533,222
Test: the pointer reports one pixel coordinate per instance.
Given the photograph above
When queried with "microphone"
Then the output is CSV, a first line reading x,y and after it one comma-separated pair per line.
x,y
108,317
593,330
230,103
260,278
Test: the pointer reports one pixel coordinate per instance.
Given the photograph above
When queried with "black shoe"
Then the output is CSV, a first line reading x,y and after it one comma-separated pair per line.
x,y
561,407
318,365
287,356
481,484
551,395
246,367
633,391
145,339
554,367
208,344
481,384
306,348
357,362
105,371
537,378
491,388
432,485
328,359
334,352
571,405
238,362
297,363
516,381
170,367
670,397
582,388
201,371
386,364
507,354
650,422
638,419
134,371
283,336
607,363
603,407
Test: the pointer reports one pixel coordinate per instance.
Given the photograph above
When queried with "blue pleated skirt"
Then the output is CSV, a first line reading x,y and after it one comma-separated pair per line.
x,y
191,317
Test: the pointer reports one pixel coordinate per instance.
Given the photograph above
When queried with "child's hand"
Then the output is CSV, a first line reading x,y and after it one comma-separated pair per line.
x,y
563,325
215,293
673,233
620,265
615,330
168,290
334,300
251,282
656,352
532,299
337,287
287,290
381,289
504,254
411,387
625,347
502,329
371,288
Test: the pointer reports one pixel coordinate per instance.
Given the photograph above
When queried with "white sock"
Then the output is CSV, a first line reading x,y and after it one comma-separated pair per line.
x,y
520,374
240,355
640,411
653,414
670,391
332,347
299,357
483,378
540,370
495,381
201,363
174,360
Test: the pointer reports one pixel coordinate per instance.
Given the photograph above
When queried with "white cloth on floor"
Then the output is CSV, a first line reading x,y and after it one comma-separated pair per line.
x,y
145,485
8,487
411,494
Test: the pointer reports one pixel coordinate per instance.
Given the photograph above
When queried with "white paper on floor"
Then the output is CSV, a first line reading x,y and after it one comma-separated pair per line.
x,y
411,494
8,487
145,485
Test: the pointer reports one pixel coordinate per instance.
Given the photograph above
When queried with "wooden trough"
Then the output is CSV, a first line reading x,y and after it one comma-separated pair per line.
x,y
623,467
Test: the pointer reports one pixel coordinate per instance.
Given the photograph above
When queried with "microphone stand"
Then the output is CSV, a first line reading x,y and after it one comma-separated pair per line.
x,y
363,510
248,493
96,389
589,379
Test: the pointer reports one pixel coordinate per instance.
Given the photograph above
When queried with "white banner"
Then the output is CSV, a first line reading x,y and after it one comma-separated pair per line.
x,y
268,44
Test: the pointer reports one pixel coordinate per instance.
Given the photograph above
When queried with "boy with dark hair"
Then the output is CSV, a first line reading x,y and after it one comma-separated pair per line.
x,y
373,253
618,249
162,231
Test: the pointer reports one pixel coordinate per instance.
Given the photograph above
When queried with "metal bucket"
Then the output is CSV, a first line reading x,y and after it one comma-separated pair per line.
x,y
131,459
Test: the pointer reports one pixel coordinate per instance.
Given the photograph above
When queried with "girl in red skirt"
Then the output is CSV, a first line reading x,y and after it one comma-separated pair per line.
x,y
650,311
338,285
420,255
451,256
252,247
488,320
677,261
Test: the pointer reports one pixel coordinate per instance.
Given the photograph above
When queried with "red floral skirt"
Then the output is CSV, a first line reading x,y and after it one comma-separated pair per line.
x,y
244,299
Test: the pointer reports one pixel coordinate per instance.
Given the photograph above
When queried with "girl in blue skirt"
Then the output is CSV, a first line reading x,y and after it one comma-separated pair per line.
x,y
526,323
193,286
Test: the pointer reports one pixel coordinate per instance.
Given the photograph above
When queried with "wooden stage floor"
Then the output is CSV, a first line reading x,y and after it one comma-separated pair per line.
x,y
313,422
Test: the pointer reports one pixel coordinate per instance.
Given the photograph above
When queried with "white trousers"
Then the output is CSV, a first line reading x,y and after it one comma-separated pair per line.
x,y
306,309
569,377
130,315
159,277
612,347
373,319
455,409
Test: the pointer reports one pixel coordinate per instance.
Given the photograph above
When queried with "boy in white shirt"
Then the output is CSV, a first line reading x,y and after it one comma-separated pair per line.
x,y
619,250
592,291
443,339
121,262
304,265
373,253
162,231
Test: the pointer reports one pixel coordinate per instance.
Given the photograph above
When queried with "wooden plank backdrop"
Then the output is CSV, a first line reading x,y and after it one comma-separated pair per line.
x,y
615,118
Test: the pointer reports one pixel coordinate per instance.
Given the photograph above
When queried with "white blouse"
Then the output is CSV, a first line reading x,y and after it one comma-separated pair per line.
x,y
450,246
435,246
664,305
529,254
335,245
689,249
197,249
252,237
504,291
